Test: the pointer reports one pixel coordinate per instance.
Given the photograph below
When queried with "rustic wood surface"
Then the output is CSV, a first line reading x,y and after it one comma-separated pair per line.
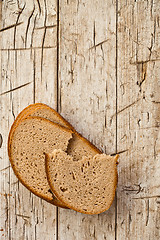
x,y
98,64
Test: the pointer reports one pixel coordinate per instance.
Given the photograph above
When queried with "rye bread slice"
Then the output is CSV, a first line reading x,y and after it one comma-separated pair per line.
x,y
32,137
41,110
87,186
78,146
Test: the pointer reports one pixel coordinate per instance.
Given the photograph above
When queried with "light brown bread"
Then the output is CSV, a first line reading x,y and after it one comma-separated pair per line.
x,y
77,147
31,139
41,110
87,186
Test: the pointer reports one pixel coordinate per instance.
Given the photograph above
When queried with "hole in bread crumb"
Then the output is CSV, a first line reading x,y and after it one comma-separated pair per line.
x,y
82,169
63,189
55,175
73,176
88,163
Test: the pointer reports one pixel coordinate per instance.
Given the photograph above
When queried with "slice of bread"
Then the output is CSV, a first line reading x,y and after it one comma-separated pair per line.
x,y
87,186
41,110
31,138
78,145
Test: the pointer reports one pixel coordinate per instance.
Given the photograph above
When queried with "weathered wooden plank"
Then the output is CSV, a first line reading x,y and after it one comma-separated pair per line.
x,y
87,95
138,119
28,74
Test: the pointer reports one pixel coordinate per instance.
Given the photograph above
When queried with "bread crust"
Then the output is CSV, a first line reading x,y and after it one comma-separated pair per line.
x,y
25,114
68,205
54,201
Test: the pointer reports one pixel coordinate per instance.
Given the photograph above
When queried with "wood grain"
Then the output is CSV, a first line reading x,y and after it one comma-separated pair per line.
x,y
138,120
28,74
87,95
106,80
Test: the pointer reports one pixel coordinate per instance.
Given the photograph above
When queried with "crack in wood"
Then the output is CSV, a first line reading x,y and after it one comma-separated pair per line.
x,y
156,102
144,74
24,49
29,20
34,78
39,6
151,11
99,44
105,121
13,111
94,34
130,219
1,141
23,216
136,188
11,26
146,61
14,89
154,196
128,106
50,26
7,213
120,152
15,64
156,126
11,99
14,183
147,219
32,34
15,27
43,40
4,169
72,70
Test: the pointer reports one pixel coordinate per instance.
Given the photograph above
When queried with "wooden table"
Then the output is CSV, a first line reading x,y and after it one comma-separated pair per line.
x,y
98,64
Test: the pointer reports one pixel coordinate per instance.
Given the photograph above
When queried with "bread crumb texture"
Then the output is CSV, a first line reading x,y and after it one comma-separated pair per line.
x,y
31,139
87,185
